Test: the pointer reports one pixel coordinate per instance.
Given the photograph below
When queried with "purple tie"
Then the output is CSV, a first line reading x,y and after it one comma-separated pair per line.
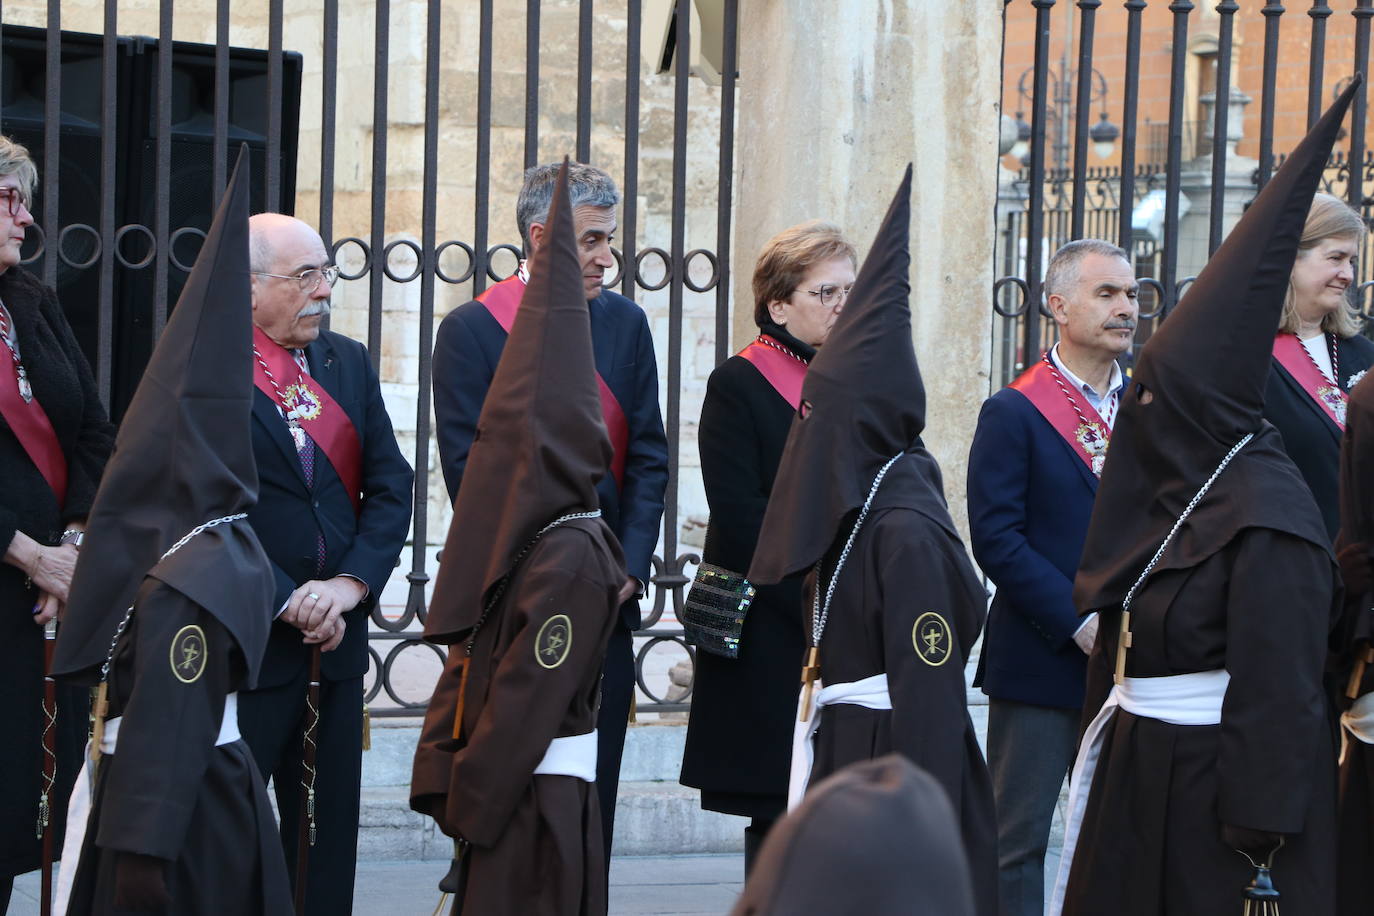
x,y
306,453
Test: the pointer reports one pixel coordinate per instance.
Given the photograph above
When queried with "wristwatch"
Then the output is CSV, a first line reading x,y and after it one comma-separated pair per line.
x,y
73,536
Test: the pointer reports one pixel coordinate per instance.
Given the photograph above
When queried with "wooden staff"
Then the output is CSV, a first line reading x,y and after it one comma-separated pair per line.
x,y
305,825
1362,661
49,764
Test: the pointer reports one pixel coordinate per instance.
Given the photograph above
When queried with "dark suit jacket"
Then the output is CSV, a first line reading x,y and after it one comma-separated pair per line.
x,y
1030,498
466,351
289,515
1312,440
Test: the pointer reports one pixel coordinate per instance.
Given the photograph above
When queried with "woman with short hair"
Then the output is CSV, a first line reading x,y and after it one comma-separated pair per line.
x,y
1319,353
740,731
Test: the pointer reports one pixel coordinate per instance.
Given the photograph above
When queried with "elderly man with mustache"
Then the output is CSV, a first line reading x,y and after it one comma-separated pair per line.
x,y
332,514
1032,477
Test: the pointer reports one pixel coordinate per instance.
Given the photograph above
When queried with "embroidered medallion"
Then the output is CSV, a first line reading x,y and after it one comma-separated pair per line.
x,y
1093,438
1334,399
552,644
931,638
25,389
300,402
187,654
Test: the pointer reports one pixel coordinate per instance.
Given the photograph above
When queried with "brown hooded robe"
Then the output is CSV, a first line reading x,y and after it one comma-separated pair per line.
x,y
535,667
1246,585
907,601
183,457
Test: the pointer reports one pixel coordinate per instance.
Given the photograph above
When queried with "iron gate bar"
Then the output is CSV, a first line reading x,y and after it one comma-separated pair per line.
x,y
220,162
1036,220
109,94
1271,11
1316,60
274,103
584,81
162,181
629,262
52,115
377,240
1355,191
531,84
483,164
1221,109
1174,155
1088,8
725,179
1131,81
329,60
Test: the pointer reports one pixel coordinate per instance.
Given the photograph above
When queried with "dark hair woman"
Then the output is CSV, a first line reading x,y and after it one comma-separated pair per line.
x,y
54,440
740,732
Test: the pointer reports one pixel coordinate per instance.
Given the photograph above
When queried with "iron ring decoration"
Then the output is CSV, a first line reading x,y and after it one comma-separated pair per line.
x,y
419,260
42,244
367,257
1180,287
504,246
1158,287
1020,309
373,660
639,268
439,254
172,246
612,282
396,650
669,636
1362,300
62,244
119,242
687,272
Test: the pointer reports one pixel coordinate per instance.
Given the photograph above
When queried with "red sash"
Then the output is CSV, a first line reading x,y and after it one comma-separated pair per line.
x,y
1295,359
502,301
1088,440
783,371
33,429
327,424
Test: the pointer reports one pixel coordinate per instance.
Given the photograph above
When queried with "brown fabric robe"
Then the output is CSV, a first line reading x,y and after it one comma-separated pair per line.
x,y
1151,837
536,839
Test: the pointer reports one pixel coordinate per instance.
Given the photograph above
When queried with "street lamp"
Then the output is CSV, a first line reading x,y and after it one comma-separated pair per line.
x,y
1021,148
1103,135
1059,113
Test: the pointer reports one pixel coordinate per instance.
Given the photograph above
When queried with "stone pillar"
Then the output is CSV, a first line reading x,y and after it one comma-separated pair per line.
x,y
836,96
1196,185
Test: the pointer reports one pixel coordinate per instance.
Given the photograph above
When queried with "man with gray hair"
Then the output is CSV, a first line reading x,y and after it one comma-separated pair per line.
x,y
1032,478
466,350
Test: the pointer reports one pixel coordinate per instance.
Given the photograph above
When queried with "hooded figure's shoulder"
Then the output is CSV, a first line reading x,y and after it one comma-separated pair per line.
x,y
581,549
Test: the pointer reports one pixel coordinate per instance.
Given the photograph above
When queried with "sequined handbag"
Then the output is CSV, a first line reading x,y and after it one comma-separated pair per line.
x,y
713,614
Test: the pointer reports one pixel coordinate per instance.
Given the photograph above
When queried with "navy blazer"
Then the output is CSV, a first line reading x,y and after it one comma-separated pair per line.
x,y
289,516
1030,498
466,351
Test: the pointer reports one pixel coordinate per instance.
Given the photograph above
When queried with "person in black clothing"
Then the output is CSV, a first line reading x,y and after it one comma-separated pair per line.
x,y
50,476
1319,354
739,735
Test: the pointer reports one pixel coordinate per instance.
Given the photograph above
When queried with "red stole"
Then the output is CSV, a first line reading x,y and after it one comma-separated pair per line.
x,y
783,371
1297,362
327,424
502,301
33,429
1087,439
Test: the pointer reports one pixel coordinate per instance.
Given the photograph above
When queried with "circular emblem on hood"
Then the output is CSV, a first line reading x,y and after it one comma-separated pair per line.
x,y
931,639
188,654
553,642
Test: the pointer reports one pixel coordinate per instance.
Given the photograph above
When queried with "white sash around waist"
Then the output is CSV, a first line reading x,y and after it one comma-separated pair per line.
x,y
1179,699
574,755
871,693
79,806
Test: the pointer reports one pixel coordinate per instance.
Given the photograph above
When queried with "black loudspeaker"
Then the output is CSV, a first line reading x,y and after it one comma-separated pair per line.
x,y
192,198
23,89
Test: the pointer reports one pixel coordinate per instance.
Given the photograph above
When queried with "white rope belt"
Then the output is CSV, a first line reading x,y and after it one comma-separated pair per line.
x,y
79,807
871,693
1179,699
574,755
1358,722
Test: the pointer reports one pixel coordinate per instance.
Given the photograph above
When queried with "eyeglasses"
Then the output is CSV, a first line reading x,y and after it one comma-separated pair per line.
x,y
832,297
15,200
309,280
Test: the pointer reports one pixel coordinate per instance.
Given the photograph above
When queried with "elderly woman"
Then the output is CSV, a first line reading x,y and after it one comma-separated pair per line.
x,y
740,732
54,440
1319,354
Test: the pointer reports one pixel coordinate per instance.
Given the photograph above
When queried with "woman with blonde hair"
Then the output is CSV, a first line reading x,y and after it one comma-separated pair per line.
x,y
1319,353
744,696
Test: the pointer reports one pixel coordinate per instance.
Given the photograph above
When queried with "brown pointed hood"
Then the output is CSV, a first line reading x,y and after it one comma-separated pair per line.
x,y
863,402
541,443
1205,370
877,838
183,456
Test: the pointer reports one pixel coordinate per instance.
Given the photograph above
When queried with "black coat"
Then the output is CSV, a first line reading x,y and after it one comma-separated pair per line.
x,y
63,384
739,737
1311,439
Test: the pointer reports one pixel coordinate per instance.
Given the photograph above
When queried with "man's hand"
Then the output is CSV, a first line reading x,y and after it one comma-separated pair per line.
x,y
46,609
330,642
316,606
1086,637
140,883
50,568
629,589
